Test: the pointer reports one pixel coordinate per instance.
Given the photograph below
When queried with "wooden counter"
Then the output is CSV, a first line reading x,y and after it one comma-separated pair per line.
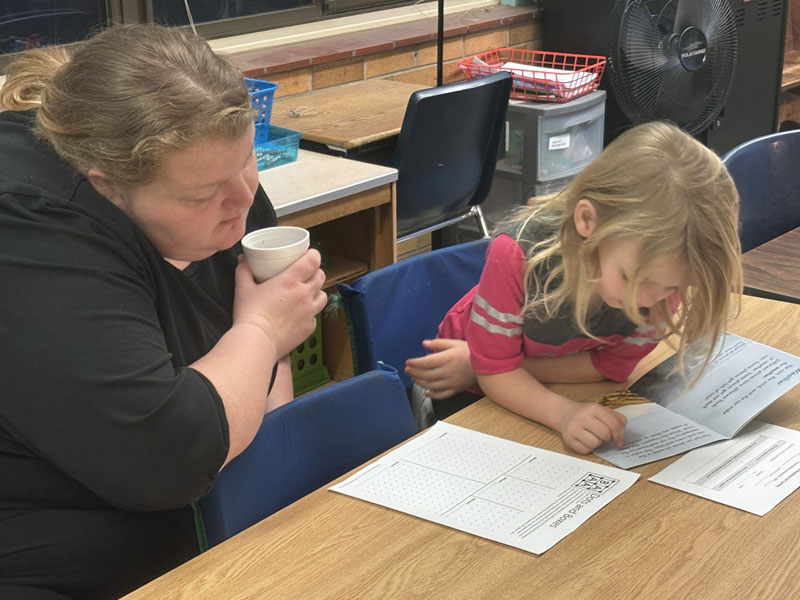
x,y
347,117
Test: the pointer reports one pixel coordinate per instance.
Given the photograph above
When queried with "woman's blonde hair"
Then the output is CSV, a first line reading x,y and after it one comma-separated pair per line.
x,y
129,94
656,184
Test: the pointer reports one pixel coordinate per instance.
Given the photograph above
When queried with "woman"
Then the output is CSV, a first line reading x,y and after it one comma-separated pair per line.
x,y
137,349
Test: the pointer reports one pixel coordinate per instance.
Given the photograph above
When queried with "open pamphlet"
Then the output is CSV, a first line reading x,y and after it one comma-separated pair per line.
x,y
666,416
511,493
753,471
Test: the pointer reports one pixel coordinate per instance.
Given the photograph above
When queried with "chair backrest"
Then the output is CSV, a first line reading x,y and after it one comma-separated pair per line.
x,y
304,445
766,171
447,149
394,308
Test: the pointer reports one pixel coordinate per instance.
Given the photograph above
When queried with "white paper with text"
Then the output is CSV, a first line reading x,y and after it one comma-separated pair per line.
x,y
743,379
753,472
511,493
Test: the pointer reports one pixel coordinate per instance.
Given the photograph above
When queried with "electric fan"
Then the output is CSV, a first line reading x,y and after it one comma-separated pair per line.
x,y
672,60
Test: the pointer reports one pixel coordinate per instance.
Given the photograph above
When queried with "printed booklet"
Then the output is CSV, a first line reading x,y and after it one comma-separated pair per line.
x,y
666,416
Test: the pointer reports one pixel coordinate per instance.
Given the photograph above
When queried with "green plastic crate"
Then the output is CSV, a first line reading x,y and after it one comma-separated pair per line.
x,y
308,370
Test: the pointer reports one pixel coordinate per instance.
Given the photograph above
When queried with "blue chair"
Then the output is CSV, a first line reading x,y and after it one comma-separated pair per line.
x,y
446,154
766,171
391,310
306,444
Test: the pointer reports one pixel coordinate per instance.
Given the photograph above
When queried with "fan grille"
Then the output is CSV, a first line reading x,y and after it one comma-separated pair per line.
x,y
648,78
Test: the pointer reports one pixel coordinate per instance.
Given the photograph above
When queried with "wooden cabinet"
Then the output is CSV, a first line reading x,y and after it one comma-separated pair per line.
x,y
355,233
349,209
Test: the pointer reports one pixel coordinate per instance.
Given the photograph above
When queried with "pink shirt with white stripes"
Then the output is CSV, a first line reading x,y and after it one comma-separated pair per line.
x,y
489,318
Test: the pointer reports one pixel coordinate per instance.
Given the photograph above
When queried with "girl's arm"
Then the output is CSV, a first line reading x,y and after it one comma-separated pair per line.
x,y
447,370
582,425
569,368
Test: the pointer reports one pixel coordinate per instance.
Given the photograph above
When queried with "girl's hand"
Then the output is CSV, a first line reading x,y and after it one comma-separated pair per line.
x,y
444,372
285,306
586,425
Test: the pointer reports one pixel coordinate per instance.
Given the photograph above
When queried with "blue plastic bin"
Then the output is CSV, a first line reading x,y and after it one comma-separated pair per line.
x,y
275,145
261,94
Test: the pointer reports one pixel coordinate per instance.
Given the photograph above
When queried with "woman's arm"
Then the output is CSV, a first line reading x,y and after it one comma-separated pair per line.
x,y
269,320
283,388
583,425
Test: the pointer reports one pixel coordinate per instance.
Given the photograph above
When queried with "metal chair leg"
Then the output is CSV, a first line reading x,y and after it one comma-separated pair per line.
x,y
484,229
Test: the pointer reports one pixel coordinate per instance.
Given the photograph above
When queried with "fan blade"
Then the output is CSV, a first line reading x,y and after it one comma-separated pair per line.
x,y
686,100
641,42
690,13
640,58
651,78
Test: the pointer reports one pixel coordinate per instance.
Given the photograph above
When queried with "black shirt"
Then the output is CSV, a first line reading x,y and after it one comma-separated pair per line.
x,y
106,436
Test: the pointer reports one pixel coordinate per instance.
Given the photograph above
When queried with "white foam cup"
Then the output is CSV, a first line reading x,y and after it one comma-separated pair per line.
x,y
269,251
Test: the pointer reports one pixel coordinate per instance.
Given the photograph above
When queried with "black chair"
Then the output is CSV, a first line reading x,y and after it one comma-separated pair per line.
x,y
766,171
446,154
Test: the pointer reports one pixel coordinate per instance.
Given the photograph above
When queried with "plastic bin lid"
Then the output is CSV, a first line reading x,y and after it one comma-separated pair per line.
x,y
556,108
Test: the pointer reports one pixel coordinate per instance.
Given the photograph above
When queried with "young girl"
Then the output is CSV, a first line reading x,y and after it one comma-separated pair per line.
x,y
580,287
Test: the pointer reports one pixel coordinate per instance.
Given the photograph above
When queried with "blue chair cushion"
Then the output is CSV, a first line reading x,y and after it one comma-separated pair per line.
x,y
391,310
306,444
765,171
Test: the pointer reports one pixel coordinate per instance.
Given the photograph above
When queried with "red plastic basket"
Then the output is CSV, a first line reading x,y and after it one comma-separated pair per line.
x,y
539,76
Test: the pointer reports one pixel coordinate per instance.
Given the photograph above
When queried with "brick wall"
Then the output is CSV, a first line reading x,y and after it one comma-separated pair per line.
x,y
405,52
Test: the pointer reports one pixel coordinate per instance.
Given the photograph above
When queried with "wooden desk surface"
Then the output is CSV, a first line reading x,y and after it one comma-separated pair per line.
x,y
651,542
316,179
348,205
349,116
774,267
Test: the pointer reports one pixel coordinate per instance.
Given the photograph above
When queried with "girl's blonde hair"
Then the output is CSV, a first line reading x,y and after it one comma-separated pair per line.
x,y
122,99
656,184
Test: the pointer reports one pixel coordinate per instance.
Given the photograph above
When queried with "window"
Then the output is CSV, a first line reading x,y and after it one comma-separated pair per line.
x,y
35,23
217,18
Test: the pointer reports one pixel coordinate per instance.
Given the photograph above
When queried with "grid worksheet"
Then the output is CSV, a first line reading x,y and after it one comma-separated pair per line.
x,y
511,493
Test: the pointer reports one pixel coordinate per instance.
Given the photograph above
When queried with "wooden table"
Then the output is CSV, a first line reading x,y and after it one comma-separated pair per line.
x,y
348,117
773,268
651,542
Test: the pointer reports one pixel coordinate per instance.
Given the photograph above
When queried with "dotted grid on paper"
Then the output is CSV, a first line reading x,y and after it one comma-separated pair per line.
x,y
464,486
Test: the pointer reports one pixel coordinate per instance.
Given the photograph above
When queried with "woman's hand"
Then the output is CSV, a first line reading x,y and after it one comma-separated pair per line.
x,y
586,425
285,306
444,372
